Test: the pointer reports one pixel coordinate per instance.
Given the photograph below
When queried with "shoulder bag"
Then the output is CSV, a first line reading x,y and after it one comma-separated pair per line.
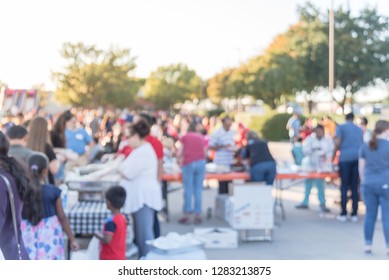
x,y
13,211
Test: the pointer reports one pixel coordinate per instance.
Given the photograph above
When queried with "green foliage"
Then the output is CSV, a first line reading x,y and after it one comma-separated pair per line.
x,y
94,77
215,112
172,84
217,86
274,129
271,126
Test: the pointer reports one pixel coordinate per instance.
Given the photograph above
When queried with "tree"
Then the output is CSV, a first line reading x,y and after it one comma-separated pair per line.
x,y
218,84
172,84
94,77
361,49
275,74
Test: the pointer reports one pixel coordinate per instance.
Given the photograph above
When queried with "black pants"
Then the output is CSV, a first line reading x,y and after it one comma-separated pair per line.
x,y
223,187
156,226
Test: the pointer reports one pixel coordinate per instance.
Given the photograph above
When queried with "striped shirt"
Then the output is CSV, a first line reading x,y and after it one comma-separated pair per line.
x,y
223,137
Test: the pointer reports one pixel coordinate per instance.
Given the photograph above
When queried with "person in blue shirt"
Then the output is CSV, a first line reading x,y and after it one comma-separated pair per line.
x,y
297,150
293,126
348,140
78,140
374,171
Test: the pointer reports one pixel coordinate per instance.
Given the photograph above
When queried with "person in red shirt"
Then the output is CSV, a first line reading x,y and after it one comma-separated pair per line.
x,y
113,237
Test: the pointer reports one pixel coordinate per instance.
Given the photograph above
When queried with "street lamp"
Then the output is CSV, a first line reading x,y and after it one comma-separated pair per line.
x,y
331,68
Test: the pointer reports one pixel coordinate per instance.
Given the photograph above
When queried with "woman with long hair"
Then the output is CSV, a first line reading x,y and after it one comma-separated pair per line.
x,y
25,198
39,141
58,141
374,175
45,241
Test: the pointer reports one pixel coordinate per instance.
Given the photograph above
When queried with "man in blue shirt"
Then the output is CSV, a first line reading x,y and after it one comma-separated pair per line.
x,y
348,140
79,141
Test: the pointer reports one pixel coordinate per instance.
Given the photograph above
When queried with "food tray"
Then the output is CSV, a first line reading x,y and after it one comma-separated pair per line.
x,y
90,186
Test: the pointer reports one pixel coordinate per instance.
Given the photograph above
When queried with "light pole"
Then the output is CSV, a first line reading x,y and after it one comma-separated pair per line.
x,y
331,69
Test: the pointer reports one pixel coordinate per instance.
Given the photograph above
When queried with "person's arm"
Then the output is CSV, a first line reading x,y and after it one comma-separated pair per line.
x,y
3,206
213,143
337,143
65,225
132,166
307,149
361,167
160,169
88,142
54,163
106,236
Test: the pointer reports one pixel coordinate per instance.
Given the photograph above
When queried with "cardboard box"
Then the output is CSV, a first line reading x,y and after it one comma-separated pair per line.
x,y
233,187
251,207
217,238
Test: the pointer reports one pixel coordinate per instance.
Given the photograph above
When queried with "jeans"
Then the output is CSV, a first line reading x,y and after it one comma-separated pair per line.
x,y
263,172
143,229
193,175
320,190
349,176
375,195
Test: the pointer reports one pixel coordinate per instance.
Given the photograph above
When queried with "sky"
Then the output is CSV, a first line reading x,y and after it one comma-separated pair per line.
x,y
207,35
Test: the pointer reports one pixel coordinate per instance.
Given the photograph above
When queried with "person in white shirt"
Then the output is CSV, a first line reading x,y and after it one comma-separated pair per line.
x,y
222,142
140,180
319,150
362,123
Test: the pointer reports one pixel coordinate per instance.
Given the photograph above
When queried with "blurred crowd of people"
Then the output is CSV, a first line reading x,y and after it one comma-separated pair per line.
x,y
37,152
358,154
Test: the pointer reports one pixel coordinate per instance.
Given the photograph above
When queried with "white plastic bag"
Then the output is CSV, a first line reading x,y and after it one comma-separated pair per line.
x,y
91,253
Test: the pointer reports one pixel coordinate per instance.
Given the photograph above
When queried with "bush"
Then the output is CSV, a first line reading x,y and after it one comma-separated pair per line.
x,y
274,129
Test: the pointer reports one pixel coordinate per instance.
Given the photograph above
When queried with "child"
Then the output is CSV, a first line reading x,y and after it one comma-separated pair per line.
x,y
45,240
113,237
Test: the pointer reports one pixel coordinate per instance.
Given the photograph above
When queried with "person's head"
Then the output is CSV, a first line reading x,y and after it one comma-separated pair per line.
x,y
227,122
192,127
251,136
362,121
17,134
27,191
319,131
137,132
39,166
115,197
350,117
71,121
4,145
381,130
38,134
148,118
60,124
